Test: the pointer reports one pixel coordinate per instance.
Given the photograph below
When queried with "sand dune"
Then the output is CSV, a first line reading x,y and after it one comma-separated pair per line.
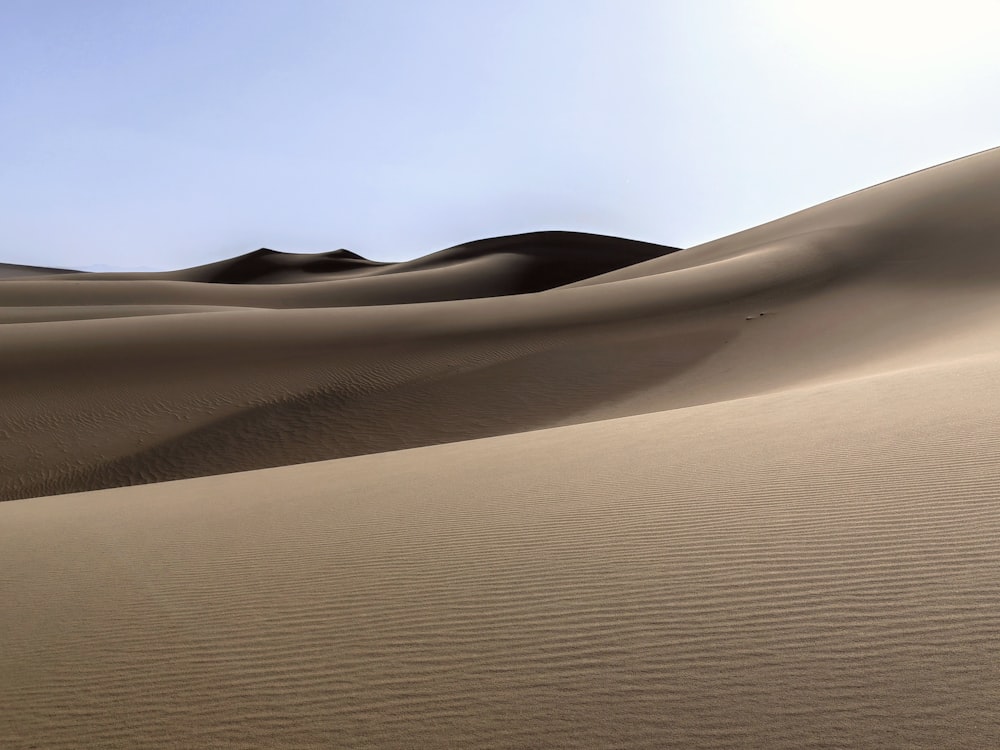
x,y
267,279
13,271
741,495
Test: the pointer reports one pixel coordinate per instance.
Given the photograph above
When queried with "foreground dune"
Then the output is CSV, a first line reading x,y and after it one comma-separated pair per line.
x,y
742,495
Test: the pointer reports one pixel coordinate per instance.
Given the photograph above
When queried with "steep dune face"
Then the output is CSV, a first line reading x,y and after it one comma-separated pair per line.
x,y
831,293
938,224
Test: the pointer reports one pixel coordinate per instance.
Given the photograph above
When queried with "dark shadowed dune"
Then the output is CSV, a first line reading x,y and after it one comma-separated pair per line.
x,y
496,267
547,259
266,266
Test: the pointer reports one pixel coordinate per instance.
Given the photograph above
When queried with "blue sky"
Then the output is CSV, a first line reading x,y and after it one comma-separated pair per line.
x,y
166,134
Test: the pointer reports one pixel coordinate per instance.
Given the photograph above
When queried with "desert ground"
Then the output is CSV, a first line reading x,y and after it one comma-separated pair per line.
x,y
548,490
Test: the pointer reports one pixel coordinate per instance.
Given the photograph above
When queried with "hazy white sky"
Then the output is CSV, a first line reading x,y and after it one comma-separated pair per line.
x,y
166,133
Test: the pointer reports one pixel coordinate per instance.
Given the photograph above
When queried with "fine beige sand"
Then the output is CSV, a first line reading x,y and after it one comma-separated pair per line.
x,y
551,490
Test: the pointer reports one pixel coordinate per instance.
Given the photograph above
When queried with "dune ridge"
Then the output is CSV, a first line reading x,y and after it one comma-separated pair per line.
x,y
265,278
739,495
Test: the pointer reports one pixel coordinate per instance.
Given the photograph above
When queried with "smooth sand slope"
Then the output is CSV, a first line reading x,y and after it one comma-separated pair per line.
x,y
742,495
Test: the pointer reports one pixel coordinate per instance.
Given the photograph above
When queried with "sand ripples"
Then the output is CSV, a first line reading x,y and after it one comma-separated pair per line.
x,y
658,595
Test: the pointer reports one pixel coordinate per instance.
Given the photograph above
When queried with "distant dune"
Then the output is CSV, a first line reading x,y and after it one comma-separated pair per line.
x,y
500,266
12,271
548,490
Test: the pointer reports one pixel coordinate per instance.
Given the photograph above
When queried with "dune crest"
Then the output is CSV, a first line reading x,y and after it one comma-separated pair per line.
x,y
514,264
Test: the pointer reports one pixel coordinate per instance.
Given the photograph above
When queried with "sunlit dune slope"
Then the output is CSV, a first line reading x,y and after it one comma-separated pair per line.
x,y
816,567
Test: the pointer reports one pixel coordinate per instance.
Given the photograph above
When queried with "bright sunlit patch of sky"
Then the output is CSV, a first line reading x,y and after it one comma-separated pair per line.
x,y
889,45
165,134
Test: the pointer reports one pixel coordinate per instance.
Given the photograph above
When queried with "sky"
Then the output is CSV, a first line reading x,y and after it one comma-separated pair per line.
x,y
164,134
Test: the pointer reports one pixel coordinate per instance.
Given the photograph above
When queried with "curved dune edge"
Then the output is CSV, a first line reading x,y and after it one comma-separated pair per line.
x,y
742,495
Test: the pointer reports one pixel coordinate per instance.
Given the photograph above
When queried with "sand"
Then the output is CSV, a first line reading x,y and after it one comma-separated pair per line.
x,y
551,490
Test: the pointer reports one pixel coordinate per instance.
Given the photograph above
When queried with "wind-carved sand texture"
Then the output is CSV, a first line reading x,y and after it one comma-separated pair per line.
x,y
563,491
